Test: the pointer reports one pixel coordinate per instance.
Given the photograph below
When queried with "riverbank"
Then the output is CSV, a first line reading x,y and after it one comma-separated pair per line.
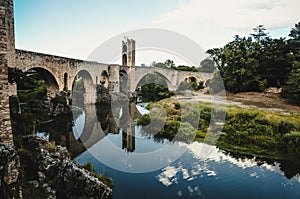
x,y
249,131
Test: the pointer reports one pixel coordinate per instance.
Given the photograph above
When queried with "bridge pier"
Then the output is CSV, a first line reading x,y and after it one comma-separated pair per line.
x,y
7,59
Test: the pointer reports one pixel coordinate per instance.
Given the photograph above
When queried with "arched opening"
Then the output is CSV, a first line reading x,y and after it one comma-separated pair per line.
x,y
41,74
66,82
124,60
152,87
35,83
83,89
123,78
104,79
191,83
36,88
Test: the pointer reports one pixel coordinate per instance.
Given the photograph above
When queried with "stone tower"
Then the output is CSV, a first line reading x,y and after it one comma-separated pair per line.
x,y
128,52
7,59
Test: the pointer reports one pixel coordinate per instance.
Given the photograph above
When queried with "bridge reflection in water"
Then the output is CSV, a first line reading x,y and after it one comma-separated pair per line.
x,y
101,120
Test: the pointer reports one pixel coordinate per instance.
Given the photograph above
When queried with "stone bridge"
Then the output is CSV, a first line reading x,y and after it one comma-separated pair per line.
x,y
60,73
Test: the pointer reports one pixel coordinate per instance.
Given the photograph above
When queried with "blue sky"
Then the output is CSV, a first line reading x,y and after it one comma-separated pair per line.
x,y
74,28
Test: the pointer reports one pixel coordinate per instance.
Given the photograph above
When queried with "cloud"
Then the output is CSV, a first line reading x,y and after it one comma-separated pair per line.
x,y
215,22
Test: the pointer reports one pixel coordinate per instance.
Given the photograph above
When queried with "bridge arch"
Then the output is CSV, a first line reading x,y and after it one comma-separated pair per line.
x,y
83,87
190,77
104,78
191,83
123,77
50,80
164,78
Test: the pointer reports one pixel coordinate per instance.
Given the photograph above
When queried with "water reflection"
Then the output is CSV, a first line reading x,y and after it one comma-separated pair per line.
x,y
88,127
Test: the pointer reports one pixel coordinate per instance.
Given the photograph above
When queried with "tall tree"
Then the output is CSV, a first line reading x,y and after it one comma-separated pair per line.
x,y
291,89
169,63
260,33
295,32
207,65
275,61
295,38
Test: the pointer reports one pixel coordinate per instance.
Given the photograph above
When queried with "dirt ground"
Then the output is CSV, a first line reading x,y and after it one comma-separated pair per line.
x,y
263,100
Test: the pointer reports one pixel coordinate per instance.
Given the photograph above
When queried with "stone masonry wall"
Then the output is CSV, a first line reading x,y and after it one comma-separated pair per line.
x,y
7,54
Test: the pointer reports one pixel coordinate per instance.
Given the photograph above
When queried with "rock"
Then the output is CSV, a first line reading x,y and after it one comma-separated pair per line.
x,y
9,171
74,182
10,163
60,176
273,90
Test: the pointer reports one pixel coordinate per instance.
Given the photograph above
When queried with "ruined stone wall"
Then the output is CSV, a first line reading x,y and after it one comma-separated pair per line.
x,y
7,59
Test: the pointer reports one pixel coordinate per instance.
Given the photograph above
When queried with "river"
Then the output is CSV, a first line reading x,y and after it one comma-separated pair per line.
x,y
144,167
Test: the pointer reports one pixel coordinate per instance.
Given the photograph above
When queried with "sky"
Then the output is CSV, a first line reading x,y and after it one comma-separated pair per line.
x,y
74,28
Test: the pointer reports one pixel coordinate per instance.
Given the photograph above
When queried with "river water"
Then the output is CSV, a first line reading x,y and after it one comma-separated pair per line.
x,y
143,167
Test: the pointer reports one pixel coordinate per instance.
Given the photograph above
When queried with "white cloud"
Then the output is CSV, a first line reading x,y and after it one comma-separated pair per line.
x,y
213,23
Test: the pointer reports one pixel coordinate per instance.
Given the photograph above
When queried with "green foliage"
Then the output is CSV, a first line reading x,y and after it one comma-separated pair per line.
x,y
153,88
192,85
185,68
259,33
38,92
159,65
216,84
291,89
144,120
207,66
295,32
275,61
247,65
246,131
90,167
238,63
291,143
29,87
169,64
51,147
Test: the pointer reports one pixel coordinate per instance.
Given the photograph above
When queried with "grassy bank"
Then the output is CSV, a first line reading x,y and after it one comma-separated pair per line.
x,y
254,132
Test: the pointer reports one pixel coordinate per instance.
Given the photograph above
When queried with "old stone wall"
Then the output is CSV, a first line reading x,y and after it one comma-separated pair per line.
x,y
7,59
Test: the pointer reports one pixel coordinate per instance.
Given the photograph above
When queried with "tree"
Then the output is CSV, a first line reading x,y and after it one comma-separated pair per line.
x,y
259,33
295,39
207,65
238,63
159,64
169,63
275,61
291,90
295,32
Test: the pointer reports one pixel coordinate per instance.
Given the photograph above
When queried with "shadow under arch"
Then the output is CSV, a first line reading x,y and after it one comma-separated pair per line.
x,y
163,80
152,87
83,89
190,83
123,76
46,75
104,78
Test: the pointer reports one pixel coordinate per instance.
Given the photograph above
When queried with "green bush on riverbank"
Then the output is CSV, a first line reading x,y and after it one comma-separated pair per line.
x,y
247,131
